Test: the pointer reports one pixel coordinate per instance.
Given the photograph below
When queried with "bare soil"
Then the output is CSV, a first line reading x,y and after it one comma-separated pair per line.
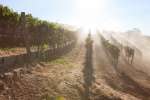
x,y
76,77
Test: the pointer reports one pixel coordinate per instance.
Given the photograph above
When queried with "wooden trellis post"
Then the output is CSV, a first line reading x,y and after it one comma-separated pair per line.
x,y
25,35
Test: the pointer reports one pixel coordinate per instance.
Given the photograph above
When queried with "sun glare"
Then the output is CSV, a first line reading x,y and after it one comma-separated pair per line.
x,y
88,12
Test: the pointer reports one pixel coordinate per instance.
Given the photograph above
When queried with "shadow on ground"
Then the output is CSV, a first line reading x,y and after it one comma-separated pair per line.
x,y
130,86
8,64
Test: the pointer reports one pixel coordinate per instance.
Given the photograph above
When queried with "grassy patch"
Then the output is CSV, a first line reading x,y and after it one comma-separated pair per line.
x,y
62,61
7,49
47,97
10,49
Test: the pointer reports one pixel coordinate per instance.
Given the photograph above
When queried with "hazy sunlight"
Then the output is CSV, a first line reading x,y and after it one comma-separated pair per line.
x,y
88,12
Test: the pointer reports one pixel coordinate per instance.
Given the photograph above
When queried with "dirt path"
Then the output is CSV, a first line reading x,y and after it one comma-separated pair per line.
x,y
59,78
128,82
79,75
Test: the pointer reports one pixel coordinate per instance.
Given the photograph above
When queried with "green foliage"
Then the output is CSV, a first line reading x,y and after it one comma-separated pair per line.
x,y
40,32
47,97
60,61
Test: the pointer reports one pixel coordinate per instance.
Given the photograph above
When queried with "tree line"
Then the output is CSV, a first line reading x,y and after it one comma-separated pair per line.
x,y
22,30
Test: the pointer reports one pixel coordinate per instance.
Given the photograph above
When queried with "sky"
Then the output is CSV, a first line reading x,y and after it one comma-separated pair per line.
x,y
117,15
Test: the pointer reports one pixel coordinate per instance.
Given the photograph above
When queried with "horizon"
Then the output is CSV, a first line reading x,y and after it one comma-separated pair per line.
x,y
109,15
